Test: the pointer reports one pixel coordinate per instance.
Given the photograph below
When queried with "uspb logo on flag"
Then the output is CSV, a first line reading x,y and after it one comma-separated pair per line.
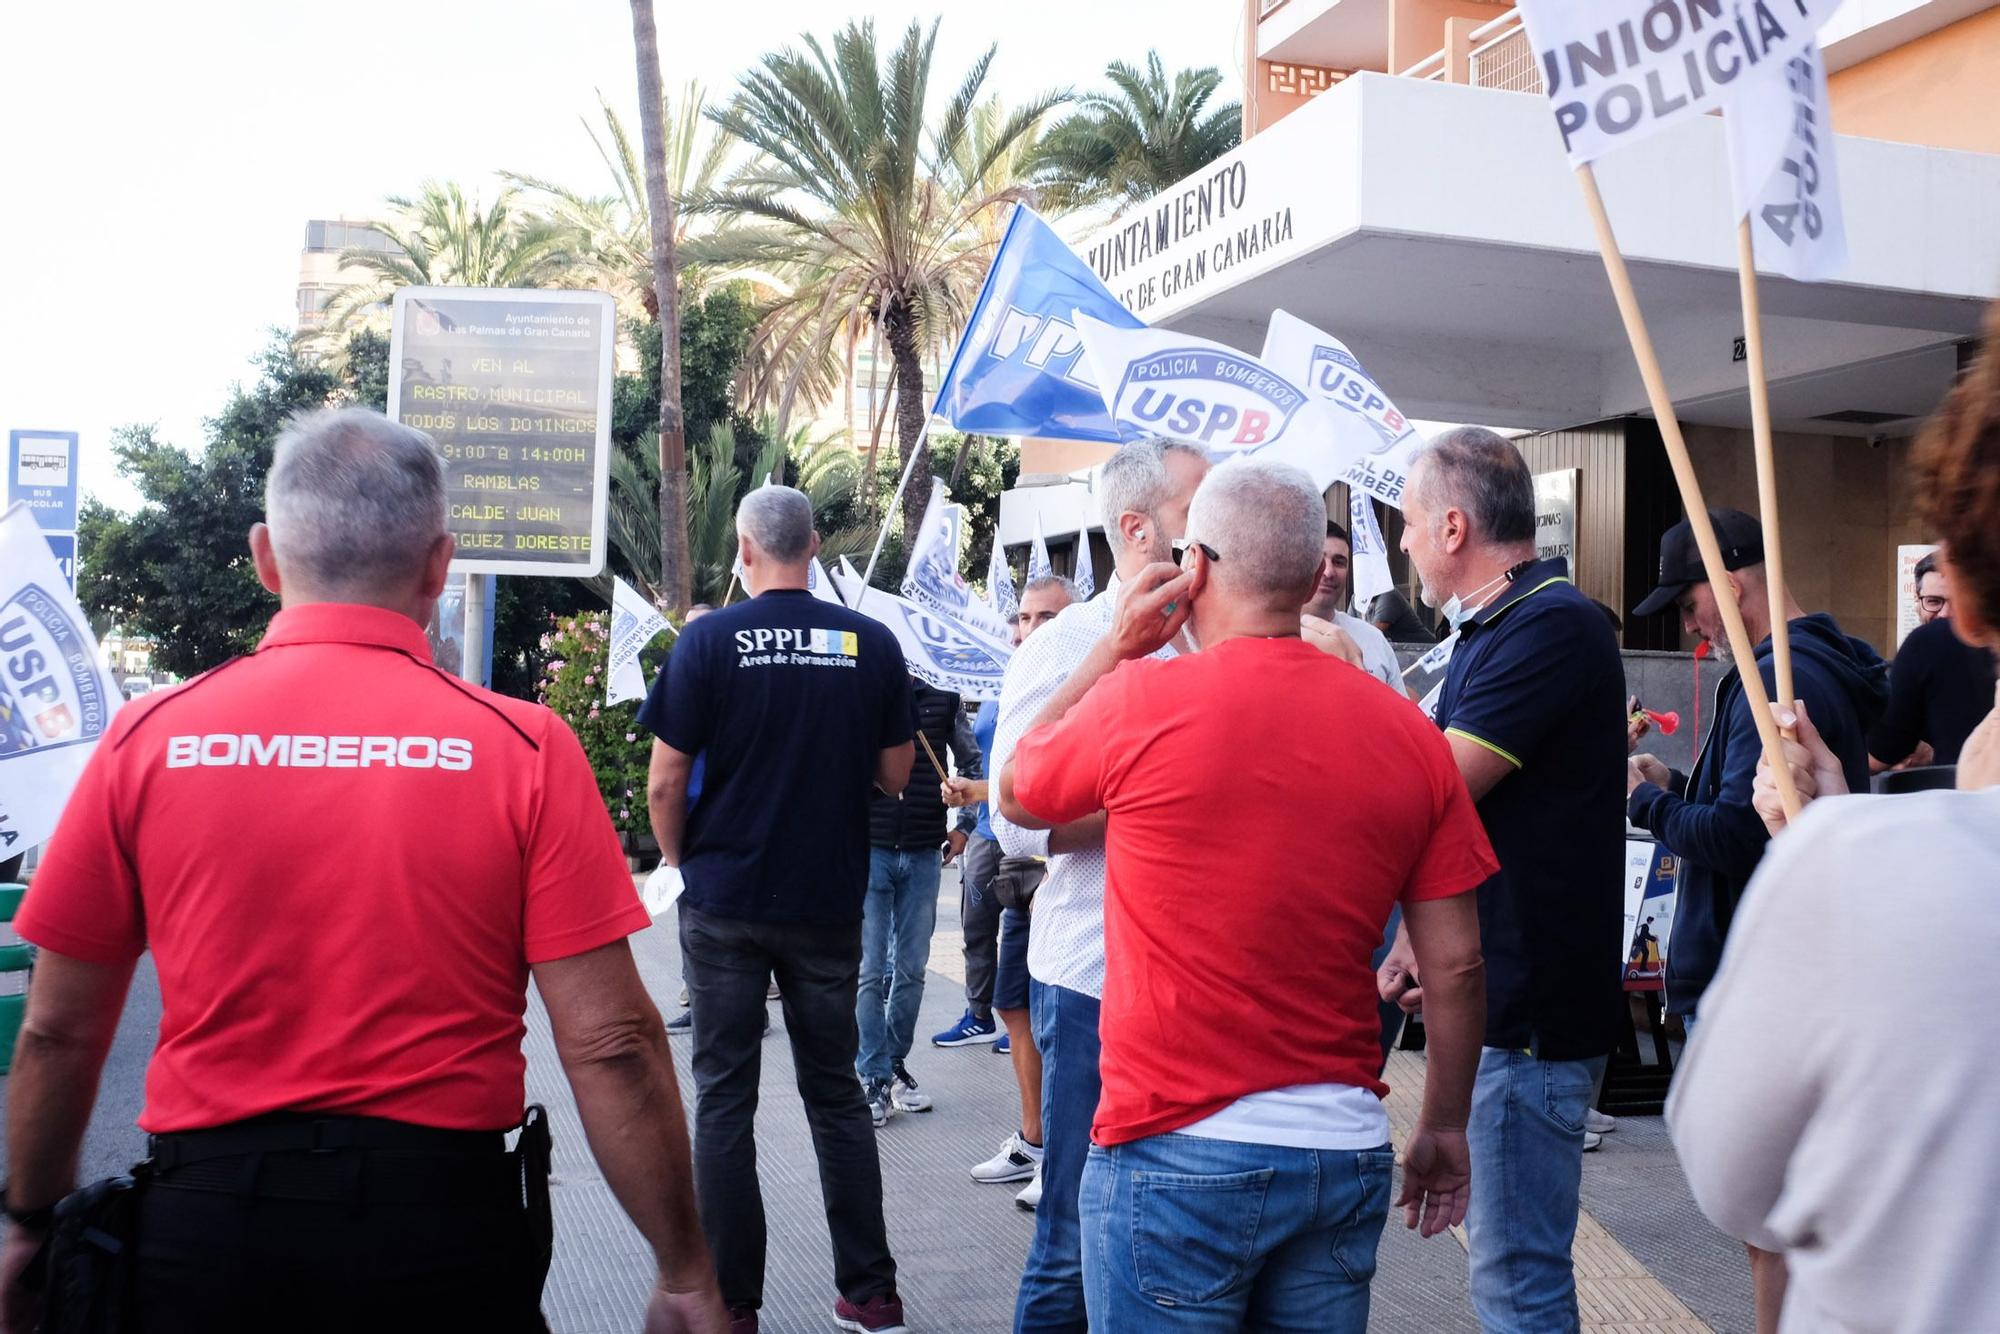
x,y
844,643
50,691
1217,398
1337,375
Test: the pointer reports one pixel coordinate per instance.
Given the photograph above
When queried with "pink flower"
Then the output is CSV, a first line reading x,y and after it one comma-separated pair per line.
x,y
624,814
593,712
630,736
590,678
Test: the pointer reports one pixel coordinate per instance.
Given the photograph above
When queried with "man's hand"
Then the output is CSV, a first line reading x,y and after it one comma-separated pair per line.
x,y
1396,980
1646,769
954,843
1816,770
1437,1179
1330,639
697,1312
1151,610
1637,724
1979,757
20,1309
960,792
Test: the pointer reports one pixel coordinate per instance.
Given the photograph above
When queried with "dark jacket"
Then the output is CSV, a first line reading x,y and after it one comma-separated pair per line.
x,y
916,819
1707,820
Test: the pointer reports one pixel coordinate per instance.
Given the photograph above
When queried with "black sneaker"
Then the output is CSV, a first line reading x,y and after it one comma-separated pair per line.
x,y
680,1023
881,1106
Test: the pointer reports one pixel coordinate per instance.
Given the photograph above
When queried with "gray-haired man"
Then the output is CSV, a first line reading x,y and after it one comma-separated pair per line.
x,y
798,709
1143,495
340,1044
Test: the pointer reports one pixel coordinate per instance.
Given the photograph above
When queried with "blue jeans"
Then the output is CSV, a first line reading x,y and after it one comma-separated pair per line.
x,y
1065,1023
896,926
1526,1136
1184,1233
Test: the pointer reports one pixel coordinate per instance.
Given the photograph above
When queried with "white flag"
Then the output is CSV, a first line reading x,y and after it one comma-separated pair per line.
x,y
1618,71
1000,584
1225,401
634,624
1370,566
817,581
1781,168
820,584
1321,363
1039,566
932,579
1085,577
940,650
56,698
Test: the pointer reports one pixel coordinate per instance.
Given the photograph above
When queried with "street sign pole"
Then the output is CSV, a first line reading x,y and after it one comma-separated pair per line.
x,y
478,594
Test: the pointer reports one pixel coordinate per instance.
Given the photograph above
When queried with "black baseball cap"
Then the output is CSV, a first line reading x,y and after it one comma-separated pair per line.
x,y
1740,537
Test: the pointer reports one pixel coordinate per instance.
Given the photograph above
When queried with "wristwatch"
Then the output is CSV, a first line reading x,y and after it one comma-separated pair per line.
x,y
28,1220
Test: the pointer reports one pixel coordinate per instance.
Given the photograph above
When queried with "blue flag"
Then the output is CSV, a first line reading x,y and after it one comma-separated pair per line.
x,y
1020,369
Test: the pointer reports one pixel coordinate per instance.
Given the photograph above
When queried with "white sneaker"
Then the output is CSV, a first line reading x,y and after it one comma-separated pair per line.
x,y
1598,1123
1591,1139
1032,1196
1017,1160
903,1092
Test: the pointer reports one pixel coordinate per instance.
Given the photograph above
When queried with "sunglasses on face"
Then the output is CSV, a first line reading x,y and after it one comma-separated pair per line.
x,y
1183,545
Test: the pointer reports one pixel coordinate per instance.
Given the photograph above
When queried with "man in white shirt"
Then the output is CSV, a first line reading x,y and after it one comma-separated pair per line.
x,y
1144,492
1329,603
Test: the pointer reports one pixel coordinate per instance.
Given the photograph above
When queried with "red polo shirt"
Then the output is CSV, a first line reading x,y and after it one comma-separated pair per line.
x,y
344,861
1268,806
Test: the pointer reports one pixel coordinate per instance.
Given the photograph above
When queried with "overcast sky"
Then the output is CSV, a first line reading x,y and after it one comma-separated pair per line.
x,y
158,162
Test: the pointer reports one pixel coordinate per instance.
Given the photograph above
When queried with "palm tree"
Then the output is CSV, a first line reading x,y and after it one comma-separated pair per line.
x,y
674,572
716,483
442,238
866,205
1125,146
611,234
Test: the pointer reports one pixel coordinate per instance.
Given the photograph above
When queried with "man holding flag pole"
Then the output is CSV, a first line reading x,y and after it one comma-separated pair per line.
x,y
1771,82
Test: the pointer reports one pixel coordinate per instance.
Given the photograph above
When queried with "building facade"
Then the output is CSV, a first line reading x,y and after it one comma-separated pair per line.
x,y
1401,184
322,275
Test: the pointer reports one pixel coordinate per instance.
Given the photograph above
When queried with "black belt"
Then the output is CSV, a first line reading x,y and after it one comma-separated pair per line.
x,y
351,1159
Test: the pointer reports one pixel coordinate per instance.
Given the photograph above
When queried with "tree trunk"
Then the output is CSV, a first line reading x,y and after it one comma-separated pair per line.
x,y
675,575
853,336
899,331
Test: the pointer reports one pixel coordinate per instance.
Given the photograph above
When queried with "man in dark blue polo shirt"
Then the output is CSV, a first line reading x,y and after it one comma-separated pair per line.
x,y
798,709
1533,704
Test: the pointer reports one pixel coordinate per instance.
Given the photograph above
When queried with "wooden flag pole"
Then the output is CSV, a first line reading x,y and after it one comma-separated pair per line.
x,y
1741,648
1767,463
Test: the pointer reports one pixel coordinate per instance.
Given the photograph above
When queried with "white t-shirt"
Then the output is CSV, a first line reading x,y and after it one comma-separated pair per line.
x,y
1377,658
1303,1116
1839,1100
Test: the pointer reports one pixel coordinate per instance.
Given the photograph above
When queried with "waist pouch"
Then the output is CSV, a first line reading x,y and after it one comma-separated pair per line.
x,y
1016,880
338,1159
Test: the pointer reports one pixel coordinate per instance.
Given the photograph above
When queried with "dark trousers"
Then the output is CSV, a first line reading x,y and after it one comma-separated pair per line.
x,y
979,918
729,963
216,1262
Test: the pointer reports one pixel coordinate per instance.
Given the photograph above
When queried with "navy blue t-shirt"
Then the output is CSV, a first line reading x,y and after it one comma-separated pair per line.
x,y
1536,678
789,701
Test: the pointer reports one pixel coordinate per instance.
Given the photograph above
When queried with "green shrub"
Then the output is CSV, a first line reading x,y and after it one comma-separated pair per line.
x,y
573,682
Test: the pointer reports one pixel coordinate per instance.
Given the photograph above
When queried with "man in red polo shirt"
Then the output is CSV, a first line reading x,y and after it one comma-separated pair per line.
x,y
1268,804
346,864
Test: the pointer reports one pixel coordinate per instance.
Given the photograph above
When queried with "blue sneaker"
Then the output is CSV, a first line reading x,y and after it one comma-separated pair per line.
x,y
1003,1047
967,1031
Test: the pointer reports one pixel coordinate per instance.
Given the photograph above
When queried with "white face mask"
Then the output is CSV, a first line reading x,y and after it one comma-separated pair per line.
x,y
1455,611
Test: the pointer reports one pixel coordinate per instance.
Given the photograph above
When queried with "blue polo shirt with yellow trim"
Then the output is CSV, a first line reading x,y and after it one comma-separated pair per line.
x,y
1537,679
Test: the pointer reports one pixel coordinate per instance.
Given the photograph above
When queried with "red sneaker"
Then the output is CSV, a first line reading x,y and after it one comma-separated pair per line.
x,y
877,1315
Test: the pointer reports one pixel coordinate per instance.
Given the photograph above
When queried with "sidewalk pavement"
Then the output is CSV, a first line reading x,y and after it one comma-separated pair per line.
x,y
1647,1261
